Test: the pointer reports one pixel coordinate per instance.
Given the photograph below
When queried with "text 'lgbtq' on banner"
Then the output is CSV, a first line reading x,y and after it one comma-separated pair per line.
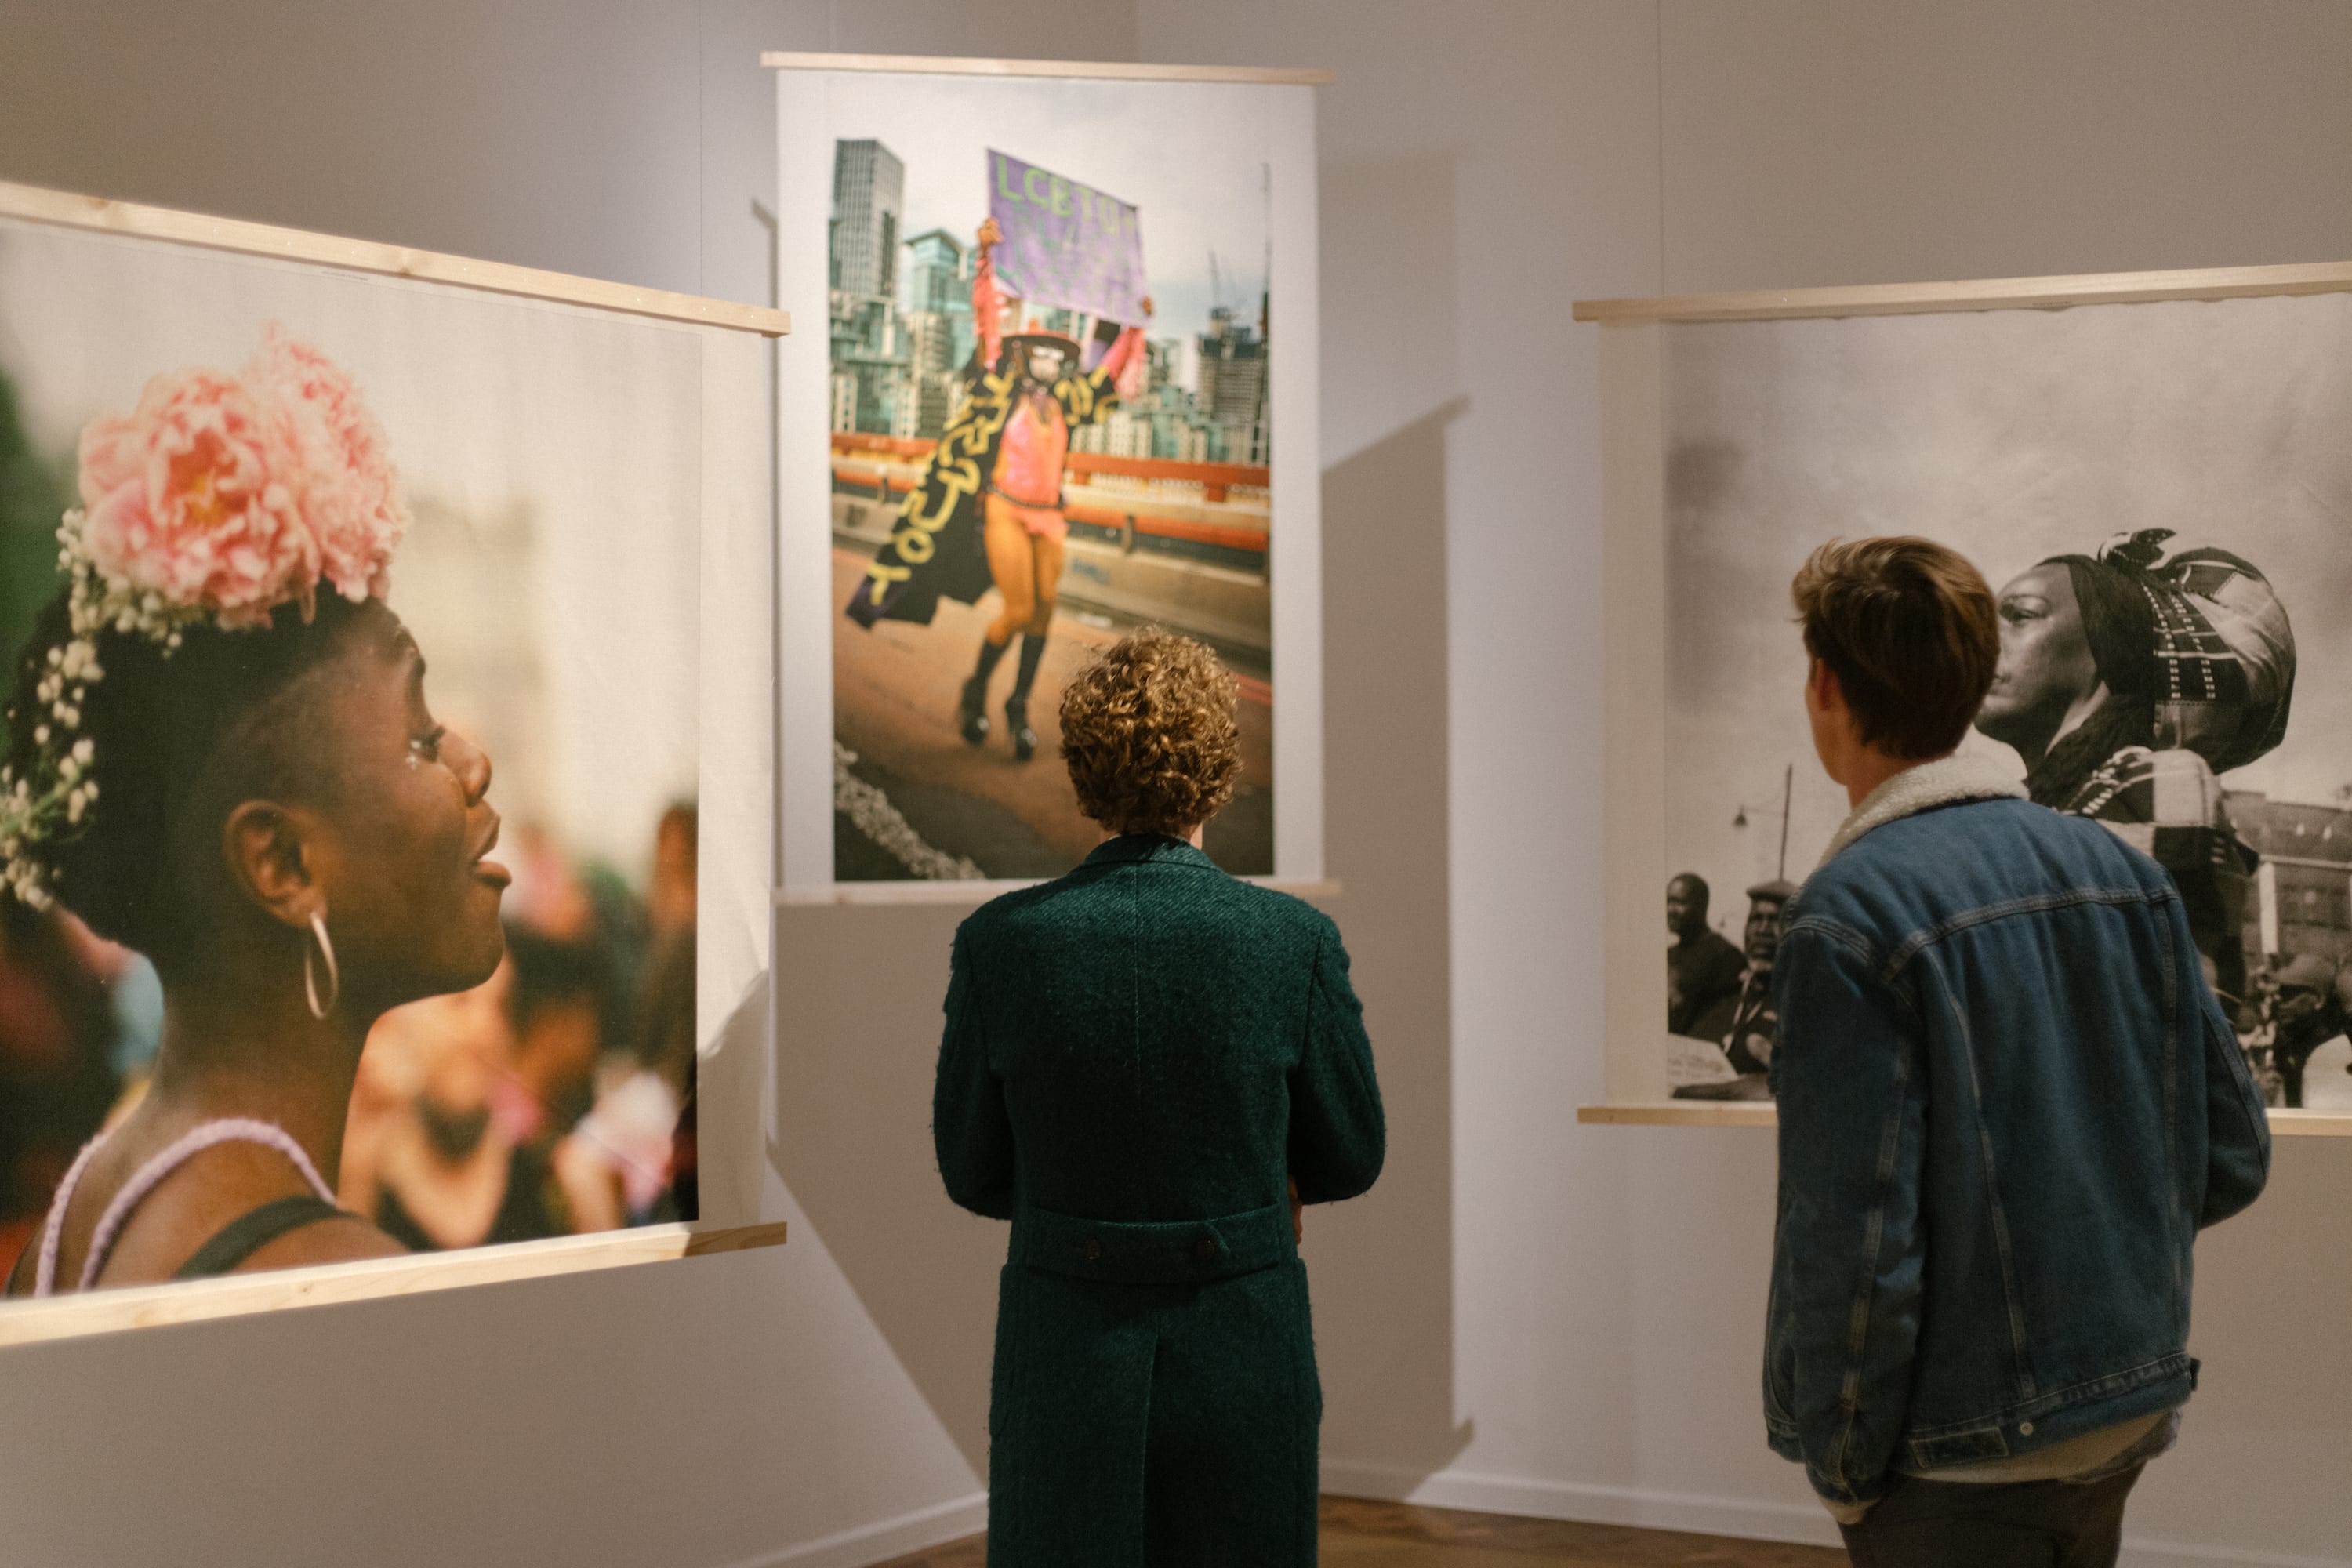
x,y
1067,245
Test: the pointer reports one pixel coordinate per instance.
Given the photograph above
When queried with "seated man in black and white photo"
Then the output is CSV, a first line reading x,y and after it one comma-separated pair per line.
x,y
1702,968
1746,1021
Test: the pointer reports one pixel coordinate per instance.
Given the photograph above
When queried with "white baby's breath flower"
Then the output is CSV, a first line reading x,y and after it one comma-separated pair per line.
x,y
40,734
83,750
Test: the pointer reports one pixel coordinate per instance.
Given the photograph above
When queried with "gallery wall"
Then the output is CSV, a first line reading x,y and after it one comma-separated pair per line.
x,y
1527,1314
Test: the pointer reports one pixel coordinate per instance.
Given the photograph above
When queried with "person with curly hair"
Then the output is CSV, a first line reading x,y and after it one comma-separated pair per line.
x,y
219,753
1147,1065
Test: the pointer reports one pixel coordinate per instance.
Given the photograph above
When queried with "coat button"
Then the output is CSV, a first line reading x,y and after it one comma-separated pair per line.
x,y
2025,1428
1204,1250
1091,1249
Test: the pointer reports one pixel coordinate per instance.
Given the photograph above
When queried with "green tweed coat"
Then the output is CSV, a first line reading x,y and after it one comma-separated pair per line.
x,y
1138,1057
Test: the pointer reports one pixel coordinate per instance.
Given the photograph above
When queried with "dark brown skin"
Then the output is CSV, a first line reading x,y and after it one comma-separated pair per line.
x,y
393,855
1685,911
2047,682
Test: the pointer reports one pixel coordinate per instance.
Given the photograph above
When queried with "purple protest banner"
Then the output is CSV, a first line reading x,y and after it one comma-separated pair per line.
x,y
1065,244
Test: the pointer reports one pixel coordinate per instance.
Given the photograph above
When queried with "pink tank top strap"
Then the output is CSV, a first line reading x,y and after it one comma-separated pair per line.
x,y
44,1270
223,1130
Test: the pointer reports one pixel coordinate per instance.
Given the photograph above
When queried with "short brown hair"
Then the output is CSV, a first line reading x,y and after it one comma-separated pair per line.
x,y
1909,629
1152,733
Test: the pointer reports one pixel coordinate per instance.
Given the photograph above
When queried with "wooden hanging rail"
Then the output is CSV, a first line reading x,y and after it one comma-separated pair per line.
x,y
232,1295
62,208
1113,70
1981,294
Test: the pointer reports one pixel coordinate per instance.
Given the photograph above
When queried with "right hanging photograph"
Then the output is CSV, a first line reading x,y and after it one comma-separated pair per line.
x,y
2159,495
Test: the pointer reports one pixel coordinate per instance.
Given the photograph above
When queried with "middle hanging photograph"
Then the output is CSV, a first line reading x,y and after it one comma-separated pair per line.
x,y
1049,312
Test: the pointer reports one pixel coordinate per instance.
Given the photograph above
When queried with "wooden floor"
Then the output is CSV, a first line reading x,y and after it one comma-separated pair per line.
x,y
1358,1534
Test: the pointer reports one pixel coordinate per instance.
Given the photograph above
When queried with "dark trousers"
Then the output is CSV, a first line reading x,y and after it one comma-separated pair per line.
x,y
1996,1524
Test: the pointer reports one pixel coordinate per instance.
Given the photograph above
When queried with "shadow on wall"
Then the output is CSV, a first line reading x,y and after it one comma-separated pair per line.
x,y
1383,1267
857,1041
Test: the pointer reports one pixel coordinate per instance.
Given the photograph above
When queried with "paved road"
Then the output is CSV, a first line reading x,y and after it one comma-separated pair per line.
x,y
895,694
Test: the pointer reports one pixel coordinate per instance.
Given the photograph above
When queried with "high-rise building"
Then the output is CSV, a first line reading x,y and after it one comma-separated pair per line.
x,y
938,282
930,341
1232,387
936,279
1161,358
868,189
903,402
937,343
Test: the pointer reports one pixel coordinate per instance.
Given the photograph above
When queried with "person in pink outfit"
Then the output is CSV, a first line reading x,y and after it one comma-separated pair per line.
x,y
989,508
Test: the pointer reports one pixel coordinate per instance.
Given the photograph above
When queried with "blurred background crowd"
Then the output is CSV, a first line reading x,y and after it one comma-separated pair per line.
x,y
553,594
556,1098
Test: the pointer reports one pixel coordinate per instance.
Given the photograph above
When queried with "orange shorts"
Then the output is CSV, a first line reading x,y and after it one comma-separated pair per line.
x,y
1042,521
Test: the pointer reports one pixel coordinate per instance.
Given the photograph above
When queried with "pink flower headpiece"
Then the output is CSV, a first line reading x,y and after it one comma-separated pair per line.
x,y
220,498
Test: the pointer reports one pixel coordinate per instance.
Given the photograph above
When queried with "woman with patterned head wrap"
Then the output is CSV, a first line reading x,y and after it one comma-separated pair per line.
x,y
2128,682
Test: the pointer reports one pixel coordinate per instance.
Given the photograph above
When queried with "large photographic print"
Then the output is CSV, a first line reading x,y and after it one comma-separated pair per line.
x,y
1048,420
2161,496
353,648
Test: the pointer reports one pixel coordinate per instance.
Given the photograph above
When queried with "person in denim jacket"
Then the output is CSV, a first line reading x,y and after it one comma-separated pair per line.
x,y
2007,1101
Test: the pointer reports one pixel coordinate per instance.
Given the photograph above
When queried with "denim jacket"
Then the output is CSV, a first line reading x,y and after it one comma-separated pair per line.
x,y
2007,1101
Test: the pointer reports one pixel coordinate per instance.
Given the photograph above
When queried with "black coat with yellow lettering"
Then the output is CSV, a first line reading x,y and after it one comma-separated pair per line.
x,y
934,549
1137,1058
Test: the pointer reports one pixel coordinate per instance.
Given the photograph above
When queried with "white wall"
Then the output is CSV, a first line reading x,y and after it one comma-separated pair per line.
x,y
1486,163
1526,1314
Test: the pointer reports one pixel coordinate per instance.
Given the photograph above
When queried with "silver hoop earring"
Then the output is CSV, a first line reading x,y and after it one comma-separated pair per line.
x,y
309,977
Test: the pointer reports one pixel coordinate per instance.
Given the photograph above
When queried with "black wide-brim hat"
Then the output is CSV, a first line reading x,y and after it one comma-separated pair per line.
x,y
1021,343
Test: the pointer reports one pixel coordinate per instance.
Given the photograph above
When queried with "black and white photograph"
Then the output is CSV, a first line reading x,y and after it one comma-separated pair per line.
x,y
2159,496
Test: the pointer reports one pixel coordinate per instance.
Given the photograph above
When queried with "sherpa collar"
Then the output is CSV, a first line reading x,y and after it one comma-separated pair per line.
x,y
1946,781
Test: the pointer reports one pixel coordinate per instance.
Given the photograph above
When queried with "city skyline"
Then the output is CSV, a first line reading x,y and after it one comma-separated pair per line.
x,y
900,332
1198,189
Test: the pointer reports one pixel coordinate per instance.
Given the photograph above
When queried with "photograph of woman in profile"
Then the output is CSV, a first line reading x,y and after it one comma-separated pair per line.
x,y
2128,683
219,753
1147,1066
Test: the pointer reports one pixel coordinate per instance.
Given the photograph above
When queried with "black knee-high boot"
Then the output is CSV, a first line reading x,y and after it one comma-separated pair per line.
x,y
1016,707
975,708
